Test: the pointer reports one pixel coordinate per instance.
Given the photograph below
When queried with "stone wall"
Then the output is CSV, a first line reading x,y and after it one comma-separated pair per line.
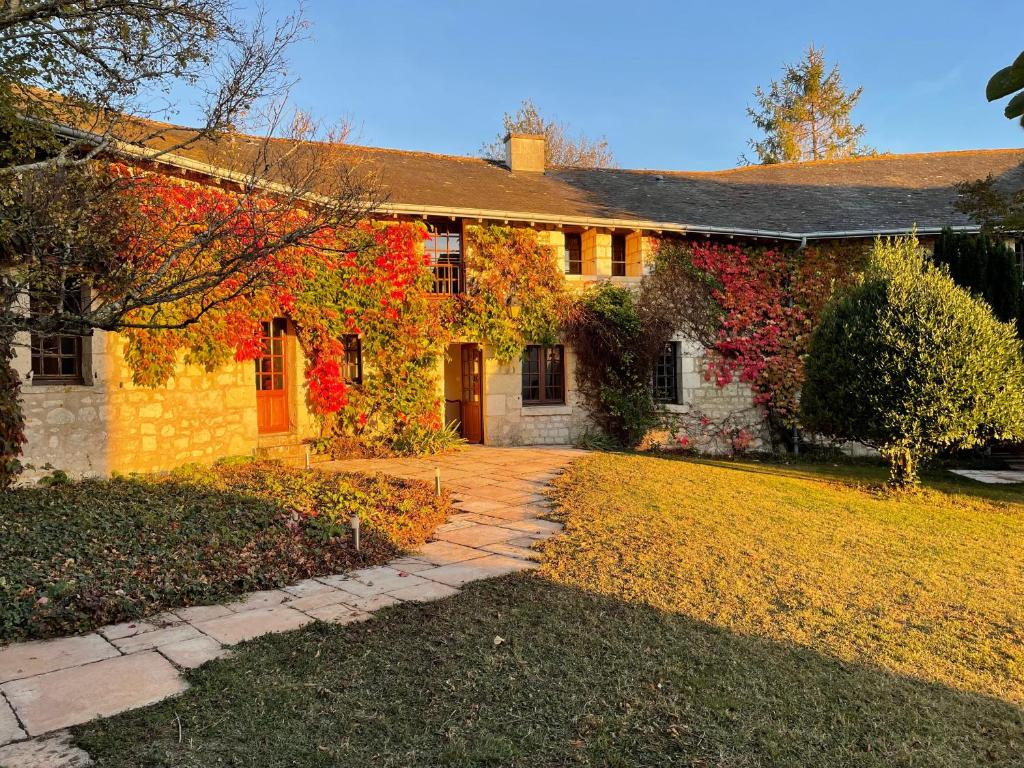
x,y
110,425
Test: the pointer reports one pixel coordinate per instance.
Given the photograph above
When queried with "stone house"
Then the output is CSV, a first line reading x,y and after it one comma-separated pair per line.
x,y
85,416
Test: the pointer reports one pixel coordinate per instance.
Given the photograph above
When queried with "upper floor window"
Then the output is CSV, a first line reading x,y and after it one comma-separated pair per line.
x,y
618,255
1018,248
443,247
573,253
544,375
666,381
57,358
352,368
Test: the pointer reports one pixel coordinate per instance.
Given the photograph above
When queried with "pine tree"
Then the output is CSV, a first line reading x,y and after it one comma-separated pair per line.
x,y
806,116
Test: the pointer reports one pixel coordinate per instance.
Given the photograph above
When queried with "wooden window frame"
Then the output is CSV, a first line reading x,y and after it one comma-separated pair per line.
x,y
449,275
353,344
76,354
545,397
573,266
618,255
666,378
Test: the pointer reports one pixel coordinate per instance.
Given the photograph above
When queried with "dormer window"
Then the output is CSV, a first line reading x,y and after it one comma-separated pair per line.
x,y
573,253
443,248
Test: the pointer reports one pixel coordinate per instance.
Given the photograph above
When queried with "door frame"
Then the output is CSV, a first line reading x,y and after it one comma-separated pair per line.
x,y
478,351
287,356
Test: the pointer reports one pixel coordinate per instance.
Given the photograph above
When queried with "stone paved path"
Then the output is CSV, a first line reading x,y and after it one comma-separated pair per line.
x,y
49,685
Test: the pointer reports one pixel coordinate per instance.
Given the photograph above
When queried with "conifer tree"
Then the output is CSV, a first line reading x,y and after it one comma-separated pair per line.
x,y
806,115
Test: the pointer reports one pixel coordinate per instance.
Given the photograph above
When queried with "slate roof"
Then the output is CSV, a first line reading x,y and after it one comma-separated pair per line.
x,y
886,193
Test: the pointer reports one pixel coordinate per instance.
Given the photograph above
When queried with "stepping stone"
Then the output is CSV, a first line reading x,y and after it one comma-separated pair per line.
x,y
445,552
329,596
246,625
373,602
126,629
478,535
255,600
35,658
308,587
410,565
425,592
534,526
72,696
381,580
53,751
10,730
194,652
203,612
157,638
514,550
339,614
457,574
483,506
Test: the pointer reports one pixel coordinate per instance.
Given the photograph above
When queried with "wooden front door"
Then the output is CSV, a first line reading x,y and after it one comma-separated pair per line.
x,y
272,378
472,393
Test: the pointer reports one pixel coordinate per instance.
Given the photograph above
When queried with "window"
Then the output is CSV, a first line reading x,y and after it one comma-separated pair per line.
x,y
1018,249
352,368
666,384
618,255
543,375
444,249
573,253
57,358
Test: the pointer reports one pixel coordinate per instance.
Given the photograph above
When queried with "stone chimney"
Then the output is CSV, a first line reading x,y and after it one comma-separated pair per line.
x,y
524,152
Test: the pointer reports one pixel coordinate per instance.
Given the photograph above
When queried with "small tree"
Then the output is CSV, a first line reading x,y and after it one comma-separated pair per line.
x,y
910,363
806,116
560,148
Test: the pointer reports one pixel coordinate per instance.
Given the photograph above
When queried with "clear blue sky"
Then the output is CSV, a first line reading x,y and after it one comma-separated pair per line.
x,y
667,83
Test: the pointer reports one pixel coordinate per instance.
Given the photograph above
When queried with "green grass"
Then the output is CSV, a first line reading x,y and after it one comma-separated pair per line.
x,y
694,614
75,556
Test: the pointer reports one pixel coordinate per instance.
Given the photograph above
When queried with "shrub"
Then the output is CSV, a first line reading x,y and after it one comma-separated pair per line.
x,y
74,556
909,363
613,362
986,268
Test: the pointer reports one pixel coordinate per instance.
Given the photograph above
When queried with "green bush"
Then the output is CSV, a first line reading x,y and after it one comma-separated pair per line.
x,y
985,267
910,363
613,364
75,556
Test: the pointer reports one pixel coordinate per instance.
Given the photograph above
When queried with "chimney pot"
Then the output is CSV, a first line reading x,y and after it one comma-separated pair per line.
x,y
524,152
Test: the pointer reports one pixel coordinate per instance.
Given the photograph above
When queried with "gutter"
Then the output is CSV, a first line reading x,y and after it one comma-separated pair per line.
x,y
409,209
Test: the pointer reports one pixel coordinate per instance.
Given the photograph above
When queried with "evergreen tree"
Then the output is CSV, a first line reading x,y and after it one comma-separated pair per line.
x,y
987,268
806,116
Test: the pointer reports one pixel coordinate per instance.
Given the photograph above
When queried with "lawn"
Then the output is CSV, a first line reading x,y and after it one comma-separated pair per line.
x,y
694,613
77,555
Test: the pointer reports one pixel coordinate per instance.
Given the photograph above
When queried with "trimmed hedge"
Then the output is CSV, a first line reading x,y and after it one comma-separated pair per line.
x,y
75,556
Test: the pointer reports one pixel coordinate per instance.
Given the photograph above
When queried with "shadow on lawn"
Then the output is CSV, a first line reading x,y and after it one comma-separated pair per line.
x,y
520,671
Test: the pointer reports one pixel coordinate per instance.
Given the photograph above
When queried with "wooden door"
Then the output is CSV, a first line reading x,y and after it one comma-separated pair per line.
x,y
472,393
272,378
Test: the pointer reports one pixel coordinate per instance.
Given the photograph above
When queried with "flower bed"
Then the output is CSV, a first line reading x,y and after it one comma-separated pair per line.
x,y
75,556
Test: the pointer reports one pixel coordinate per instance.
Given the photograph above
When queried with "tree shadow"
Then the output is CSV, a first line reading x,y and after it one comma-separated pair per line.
x,y
521,671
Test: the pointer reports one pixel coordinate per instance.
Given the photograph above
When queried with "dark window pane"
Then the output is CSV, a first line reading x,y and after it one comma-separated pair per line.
x,y
573,253
618,255
666,385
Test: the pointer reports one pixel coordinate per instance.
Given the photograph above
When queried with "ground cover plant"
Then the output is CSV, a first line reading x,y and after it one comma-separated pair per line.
x,y
693,613
75,556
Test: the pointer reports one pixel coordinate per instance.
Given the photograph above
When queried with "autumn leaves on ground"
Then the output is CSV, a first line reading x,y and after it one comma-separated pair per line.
x,y
694,613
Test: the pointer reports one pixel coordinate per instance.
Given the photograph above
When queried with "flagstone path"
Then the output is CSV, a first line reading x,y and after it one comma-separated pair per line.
x,y
49,685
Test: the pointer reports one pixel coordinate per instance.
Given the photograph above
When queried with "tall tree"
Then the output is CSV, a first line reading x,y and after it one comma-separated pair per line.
x,y
806,115
80,85
561,148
